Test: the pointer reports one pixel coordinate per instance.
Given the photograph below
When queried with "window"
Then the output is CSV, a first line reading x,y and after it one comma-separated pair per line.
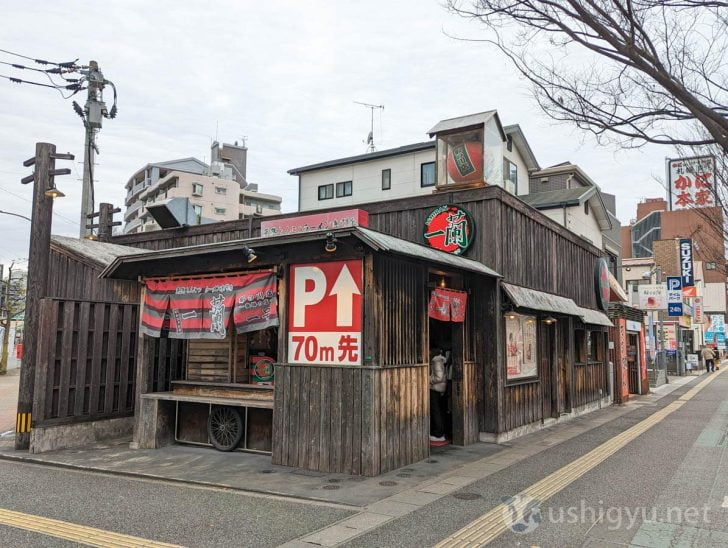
x,y
521,347
198,212
326,192
343,189
220,190
710,266
427,174
196,189
386,179
510,176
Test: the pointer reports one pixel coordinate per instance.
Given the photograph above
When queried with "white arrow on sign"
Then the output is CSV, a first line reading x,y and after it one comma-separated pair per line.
x,y
344,288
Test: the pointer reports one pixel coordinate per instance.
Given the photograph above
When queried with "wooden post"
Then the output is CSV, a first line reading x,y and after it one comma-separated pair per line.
x,y
38,256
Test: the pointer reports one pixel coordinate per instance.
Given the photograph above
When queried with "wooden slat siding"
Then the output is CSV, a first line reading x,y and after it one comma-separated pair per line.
x,y
111,358
123,370
347,395
314,423
207,360
46,342
64,374
278,414
356,431
324,421
162,364
303,417
97,357
337,408
81,359
368,420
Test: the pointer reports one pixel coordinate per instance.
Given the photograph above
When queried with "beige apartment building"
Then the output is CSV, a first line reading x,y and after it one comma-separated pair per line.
x,y
215,192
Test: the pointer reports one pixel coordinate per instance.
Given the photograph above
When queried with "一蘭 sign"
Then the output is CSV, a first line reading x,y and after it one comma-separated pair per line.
x,y
601,282
449,228
691,182
325,313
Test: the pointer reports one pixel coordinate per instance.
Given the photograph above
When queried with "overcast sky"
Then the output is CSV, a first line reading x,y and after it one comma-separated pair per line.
x,y
283,74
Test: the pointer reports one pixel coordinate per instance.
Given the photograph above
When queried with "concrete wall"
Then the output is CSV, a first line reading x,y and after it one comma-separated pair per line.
x,y
52,438
578,222
714,297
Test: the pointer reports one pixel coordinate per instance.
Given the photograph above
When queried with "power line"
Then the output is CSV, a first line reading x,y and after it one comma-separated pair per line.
x,y
68,64
60,216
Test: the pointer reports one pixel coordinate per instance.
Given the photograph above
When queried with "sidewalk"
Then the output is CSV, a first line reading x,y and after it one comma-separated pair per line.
x,y
8,400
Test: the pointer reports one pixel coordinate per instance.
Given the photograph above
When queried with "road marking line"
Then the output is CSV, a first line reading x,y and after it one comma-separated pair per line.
x,y
493,523
74,532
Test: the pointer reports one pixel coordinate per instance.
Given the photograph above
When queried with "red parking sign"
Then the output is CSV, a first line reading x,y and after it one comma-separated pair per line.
x,y
324,313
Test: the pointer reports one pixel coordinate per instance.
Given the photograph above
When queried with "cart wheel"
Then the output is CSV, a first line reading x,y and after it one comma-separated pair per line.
x,y
225,428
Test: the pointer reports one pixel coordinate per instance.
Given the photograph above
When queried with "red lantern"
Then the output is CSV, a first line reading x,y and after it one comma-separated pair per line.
x,y
465,162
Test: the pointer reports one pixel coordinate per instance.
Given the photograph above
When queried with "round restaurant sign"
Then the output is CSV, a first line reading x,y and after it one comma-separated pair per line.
x,y
601,283
449,228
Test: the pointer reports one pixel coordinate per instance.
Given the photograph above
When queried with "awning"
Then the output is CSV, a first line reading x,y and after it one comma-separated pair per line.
x,y
616,289
523,297
594,317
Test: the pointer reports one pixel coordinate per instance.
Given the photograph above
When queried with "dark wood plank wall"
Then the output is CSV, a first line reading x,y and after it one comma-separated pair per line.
x,y
362,421
86,361
71,278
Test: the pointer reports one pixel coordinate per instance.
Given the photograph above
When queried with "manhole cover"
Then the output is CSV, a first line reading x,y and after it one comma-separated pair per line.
x,y
467,496
432,461
334,480
387,483
266,471
403,475
408,469
331,487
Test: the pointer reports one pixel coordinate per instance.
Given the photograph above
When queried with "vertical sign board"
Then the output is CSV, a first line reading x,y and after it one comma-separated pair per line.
x,y
698,310
325,313
687,272
691,182
674,296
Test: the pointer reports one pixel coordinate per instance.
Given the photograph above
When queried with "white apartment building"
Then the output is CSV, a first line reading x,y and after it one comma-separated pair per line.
x,y
412,170
216,192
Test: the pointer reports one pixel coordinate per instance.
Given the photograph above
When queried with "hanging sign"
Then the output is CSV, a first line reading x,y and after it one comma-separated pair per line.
x,y
448,305
652,296
691,182
601,283
449,228
698,310
325,313
686,262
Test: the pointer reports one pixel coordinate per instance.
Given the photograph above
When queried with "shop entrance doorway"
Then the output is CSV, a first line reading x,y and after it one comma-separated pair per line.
x,y
441,401
633,362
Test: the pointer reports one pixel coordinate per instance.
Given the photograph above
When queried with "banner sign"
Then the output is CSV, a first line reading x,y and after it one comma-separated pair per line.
x,y
674,296
311,223
716,331
325,313
686,263
449,228
652,296
201,308
448,305
691,182
601,283
698,310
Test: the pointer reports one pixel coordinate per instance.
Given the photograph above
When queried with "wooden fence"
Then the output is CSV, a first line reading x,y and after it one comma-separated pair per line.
x,y
85,364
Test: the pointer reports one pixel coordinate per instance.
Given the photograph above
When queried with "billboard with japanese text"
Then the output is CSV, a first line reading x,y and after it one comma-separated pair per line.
x,y
325,313
691,182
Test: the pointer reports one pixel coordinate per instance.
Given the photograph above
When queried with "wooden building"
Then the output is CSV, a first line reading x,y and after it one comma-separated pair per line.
x,y
530,349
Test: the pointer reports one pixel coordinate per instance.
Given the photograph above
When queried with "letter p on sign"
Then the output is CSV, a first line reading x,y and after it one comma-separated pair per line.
x,y
309,286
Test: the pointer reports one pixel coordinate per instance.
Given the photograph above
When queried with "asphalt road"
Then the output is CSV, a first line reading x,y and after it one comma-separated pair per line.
x,y
151,510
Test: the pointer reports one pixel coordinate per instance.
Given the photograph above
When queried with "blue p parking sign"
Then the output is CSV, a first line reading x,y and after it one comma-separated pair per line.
x,y
674,296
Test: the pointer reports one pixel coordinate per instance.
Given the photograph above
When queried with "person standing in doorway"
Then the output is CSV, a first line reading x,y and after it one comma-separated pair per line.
x,y
438,386
708,358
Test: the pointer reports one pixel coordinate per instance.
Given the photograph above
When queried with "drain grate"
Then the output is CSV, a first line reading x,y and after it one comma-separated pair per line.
x,y
331,487
387,483
467,496
432,461
333,480
266,471
403,475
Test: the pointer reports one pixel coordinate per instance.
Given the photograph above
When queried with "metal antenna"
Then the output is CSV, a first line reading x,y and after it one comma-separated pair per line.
x,y
370,137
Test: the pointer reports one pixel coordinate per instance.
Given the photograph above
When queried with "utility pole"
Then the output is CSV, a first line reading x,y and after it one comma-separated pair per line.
x,y
92,114
44,191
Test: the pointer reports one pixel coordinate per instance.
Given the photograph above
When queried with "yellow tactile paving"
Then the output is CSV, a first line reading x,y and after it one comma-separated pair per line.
x,y
74,532
494,522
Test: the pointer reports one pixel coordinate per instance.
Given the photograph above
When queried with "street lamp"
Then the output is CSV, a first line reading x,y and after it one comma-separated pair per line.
x,y
657,271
